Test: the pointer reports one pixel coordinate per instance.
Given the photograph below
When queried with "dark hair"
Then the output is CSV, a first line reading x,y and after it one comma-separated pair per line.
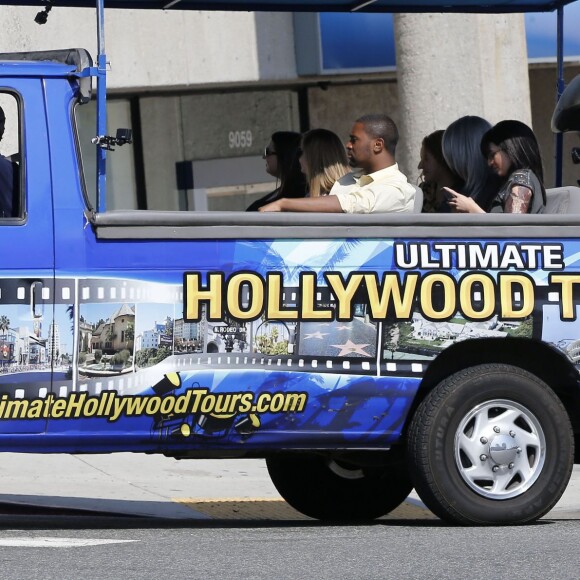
x,y
518,142
461,149
381,127
434,144
292,181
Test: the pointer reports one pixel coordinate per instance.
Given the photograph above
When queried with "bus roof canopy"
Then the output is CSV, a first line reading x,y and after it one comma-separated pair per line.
x,y
480,6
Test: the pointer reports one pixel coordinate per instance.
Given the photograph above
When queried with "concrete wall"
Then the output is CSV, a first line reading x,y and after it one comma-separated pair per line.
x,y
163,139
336,107
203,127
466,71
451,65
164,49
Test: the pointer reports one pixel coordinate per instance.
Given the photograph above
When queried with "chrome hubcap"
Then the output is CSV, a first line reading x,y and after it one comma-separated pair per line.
x,y
500,449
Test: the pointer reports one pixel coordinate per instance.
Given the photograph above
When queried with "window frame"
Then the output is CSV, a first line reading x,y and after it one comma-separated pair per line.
x,y
22,215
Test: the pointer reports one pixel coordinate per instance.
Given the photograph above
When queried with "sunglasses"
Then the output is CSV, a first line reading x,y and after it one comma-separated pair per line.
x,y
268,152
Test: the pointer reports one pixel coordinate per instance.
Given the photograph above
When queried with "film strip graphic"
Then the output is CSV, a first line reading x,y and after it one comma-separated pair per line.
x,y
27,303
61,291
135,382
319,365
115,291
105,290
280,363
102,290
23,290
67,291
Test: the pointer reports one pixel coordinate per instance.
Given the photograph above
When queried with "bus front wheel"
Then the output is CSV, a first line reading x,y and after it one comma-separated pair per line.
x,y
491,444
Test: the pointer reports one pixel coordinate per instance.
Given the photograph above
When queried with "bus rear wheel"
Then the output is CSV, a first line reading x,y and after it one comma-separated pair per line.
x,y
329,489
491,444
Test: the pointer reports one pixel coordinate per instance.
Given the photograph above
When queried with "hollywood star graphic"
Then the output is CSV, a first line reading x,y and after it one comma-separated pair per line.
x,y
318,334
350,347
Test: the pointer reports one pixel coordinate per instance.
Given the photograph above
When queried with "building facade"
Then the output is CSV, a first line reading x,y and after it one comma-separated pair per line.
x,y
54,342
203,92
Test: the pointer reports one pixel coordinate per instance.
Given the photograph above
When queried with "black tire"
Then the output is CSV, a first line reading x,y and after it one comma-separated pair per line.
x,y
491,444
329,490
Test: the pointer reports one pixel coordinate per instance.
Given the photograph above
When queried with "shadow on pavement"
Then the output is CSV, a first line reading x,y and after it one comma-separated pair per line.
x,y
36,512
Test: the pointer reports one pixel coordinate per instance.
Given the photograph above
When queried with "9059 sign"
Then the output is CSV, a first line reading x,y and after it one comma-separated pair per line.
x,y
240,139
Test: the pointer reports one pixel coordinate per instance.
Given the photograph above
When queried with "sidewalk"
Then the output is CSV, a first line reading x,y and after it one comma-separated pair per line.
x,y
153,485
127,483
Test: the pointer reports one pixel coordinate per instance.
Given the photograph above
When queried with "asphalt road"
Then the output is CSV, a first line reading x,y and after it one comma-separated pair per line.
x,y
211,519
63,547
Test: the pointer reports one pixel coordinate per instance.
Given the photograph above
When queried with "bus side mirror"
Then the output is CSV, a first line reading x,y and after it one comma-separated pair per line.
x,y
566,116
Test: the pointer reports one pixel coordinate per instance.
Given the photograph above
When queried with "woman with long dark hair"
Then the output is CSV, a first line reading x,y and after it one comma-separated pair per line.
x,y
461,149
281,156
435,173
513,153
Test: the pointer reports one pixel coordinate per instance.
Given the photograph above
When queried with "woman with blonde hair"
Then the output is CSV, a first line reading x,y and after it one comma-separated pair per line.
x,y
323,160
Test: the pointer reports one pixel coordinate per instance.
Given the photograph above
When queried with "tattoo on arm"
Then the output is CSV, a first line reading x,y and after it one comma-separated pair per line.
x,y
518,200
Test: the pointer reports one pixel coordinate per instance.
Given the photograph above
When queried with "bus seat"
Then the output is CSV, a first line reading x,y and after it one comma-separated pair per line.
x,y
418,204
563,200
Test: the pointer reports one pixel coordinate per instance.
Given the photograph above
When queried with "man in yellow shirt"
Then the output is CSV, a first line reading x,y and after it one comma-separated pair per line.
x,y
377,186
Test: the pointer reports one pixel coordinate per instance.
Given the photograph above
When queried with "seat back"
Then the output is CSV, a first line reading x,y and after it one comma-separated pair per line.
x,y
563,200
418,204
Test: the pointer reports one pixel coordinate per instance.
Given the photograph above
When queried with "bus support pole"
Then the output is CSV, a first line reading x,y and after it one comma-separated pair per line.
x,y
559,140
101,106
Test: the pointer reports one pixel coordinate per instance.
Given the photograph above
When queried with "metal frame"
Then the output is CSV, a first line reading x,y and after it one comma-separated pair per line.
x,y
559,139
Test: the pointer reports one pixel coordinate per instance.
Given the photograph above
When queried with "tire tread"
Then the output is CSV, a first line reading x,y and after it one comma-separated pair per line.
x,y
421,429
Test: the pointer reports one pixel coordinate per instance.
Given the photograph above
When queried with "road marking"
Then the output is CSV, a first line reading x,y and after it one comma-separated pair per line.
x,y
56,542
277,509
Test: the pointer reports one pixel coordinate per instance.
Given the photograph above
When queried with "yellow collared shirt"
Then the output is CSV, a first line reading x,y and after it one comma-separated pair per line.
x,y
386,190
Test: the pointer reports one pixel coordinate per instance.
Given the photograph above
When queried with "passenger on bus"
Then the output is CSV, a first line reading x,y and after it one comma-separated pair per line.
x,y
281,157
323,160
461,150
378,186
435,174
513,153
